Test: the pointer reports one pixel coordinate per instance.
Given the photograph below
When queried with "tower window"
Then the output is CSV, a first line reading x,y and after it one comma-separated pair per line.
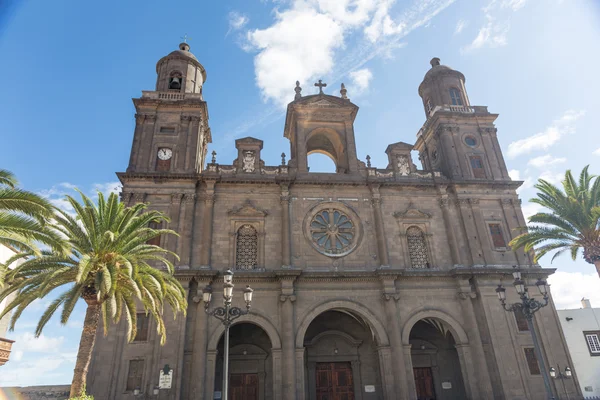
x,y
497,236
155,240
141,327
246,248
532,362
175,81
135,374
471,141
477,166
455,97
593,342
521,320
417,248
428,106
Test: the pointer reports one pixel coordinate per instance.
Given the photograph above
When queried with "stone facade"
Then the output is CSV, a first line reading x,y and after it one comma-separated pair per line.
x,y
370,283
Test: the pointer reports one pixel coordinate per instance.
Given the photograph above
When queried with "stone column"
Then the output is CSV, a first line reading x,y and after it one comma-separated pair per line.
x,y
276,356
285,226
468,371
391,297
300,378
470,232
172,242
381,239
386,370
145,157
198,368
207,227
482,231
288,334
183,142
209,383
410,377
512,223
452,242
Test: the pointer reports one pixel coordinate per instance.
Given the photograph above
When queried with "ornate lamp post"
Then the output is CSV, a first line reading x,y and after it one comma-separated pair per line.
x,y
529,306
562,376
227,315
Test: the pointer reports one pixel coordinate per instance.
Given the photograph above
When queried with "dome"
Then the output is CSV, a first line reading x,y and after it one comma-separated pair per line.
x,y
183,53
437,68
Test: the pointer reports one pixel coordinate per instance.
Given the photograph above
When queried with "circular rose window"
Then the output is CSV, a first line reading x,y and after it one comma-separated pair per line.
x,y
332,231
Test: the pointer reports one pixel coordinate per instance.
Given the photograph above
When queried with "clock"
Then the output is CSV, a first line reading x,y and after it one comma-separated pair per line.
x,y
165,153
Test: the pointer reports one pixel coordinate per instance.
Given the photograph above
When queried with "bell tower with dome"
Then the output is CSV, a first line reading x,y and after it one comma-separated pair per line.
x,y
171,132
457,139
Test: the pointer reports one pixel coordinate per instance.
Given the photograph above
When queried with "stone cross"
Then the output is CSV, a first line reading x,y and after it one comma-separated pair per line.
x,y
185,38
320,85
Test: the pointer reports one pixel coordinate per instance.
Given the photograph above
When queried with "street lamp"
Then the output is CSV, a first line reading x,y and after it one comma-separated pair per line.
x,y
562,376
529,306
227,315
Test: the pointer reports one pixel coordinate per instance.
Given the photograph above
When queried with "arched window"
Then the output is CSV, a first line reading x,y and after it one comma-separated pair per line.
x,y
246,248
417,248
455,97
175,81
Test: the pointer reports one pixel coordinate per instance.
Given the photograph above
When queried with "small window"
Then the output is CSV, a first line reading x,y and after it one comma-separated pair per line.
x,y
141,327
497,236
134,375
532,362
521,321
175,82
477,166
417,248
471,141
593,342
167,130
155,240
455,97
428,106
246,248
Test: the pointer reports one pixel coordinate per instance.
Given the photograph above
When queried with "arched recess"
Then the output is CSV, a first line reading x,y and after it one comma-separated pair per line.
x,y
459,334
252,318
367,315
328,141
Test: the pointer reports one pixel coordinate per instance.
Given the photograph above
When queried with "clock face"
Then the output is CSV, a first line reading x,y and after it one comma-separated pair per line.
x,y
165,153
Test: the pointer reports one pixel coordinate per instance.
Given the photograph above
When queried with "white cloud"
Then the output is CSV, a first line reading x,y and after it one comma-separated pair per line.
x,y
530,209
596,152
460,25
552,177
305,41
237,21
543,140
492,34
515,175
361,79
514,4
42,344
56,194
546,161
569,287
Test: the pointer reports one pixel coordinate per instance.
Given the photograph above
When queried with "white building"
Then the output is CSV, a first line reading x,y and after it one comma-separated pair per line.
x,y
582,333
5,344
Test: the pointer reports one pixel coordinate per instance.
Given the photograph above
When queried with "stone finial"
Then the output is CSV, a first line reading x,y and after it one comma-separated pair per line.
x,y
434,62
368,161
298,91
343,92
282,158
213,160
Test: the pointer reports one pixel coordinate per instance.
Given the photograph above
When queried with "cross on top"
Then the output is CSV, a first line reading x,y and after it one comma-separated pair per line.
x,y
320,85
185,38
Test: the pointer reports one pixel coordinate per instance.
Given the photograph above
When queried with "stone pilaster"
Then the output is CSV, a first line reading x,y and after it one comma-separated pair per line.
x,y
452,242
285,227
200,340
287,300
207,226
186,217
379,229
135,147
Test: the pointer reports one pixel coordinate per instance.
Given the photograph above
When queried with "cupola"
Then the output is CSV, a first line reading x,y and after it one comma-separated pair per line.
x,y
180,71
442,86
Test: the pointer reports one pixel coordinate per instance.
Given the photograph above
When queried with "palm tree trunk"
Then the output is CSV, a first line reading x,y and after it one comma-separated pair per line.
x,y
597,264
86,345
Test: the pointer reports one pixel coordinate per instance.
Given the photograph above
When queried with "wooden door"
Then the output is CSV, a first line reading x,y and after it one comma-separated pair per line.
x,y
334,381
424,383
243,386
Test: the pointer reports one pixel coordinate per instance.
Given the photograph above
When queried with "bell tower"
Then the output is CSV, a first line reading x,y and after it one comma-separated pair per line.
x,y
322,124
457,138
171,131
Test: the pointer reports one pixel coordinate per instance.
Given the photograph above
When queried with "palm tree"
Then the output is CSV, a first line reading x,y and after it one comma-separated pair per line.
x,y
573,221
111,267
24,218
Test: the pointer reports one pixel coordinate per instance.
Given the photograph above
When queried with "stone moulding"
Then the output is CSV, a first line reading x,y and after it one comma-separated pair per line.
x,y
5,347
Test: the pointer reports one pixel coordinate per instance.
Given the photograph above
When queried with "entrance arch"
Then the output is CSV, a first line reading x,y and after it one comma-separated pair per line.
x,y
437,344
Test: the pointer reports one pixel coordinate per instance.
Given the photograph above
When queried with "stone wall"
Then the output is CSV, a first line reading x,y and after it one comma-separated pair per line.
x,y
39,392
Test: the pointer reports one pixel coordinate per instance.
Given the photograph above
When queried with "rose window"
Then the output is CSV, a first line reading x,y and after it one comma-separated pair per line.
x,y
332,232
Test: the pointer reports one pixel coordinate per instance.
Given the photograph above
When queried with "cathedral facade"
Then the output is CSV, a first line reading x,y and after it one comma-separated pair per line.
x,y
369,283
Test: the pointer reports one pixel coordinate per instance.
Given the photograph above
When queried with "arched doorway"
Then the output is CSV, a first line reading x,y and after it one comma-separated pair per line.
x,y
341,358
250,363
436,363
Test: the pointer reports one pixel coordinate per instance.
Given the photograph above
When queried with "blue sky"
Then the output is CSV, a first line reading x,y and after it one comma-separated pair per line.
x,y
70,70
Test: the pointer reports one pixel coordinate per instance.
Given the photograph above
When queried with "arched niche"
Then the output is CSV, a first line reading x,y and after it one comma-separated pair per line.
x,y
459,334
254,318
328,141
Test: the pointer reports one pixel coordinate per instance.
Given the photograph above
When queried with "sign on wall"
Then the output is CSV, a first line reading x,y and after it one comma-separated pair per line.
x,y
165,379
